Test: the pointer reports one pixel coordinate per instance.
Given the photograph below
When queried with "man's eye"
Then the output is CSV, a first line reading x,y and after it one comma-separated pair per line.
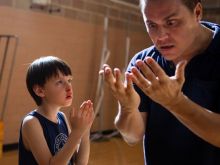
x,y
171,23
151,26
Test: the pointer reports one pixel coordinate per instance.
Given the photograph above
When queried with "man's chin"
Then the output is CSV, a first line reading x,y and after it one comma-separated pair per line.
x,y
168,56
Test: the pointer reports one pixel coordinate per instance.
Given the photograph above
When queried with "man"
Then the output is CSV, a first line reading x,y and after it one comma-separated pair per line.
x,y
175,100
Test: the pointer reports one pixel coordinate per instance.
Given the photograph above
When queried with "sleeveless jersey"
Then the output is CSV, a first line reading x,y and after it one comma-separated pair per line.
x,y
56,135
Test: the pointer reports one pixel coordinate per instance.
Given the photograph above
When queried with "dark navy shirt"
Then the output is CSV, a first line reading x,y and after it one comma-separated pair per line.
x,y
56,135
167,141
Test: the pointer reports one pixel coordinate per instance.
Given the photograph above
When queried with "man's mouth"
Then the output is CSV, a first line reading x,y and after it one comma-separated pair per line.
x,y
166,47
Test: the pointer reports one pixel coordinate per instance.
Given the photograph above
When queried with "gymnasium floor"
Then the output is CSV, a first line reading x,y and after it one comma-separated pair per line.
x,y
113,151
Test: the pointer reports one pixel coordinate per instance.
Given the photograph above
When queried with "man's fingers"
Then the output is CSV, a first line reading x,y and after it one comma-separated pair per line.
x,y
180,70
146,70
107,74
103,68
128,81
118,78
155,67
139,79
112,78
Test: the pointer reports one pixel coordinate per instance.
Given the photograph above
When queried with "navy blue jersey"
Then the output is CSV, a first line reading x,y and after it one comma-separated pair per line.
x,y
56,135
167,141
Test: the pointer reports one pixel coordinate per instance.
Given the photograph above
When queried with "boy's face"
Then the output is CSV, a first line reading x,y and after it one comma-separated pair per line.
x,y
57,91
172,27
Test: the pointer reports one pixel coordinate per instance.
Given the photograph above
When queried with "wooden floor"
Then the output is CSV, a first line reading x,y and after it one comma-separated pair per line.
x,y
113,151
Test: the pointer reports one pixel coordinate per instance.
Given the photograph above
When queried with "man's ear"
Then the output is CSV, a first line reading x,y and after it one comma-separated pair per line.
x,y
198,11
38,90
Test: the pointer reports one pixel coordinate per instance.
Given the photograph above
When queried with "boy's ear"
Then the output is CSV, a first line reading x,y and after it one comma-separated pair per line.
x,y
38,90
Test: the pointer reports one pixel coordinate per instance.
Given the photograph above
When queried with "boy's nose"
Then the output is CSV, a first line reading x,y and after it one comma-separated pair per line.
x,y
68,86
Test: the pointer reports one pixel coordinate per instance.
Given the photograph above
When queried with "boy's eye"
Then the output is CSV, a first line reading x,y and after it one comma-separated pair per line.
x,y
70,80
59,82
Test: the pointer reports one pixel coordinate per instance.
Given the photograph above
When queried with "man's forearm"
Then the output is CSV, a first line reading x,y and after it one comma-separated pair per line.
x,y
131,125
199,120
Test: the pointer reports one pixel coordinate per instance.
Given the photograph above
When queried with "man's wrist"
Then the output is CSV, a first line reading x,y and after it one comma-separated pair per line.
x,y
127,108
174,105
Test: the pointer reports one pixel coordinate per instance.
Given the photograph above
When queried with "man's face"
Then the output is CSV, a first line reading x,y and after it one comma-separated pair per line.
x,y
172,27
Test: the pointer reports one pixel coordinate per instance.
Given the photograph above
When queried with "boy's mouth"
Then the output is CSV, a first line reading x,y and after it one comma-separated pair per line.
x,y
69,96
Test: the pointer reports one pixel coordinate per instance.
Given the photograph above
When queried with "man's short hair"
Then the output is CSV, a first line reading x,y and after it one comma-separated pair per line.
x,y
190,4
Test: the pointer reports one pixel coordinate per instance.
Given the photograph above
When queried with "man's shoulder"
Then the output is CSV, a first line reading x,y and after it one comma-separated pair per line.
x,y
141,55
214,27
211,25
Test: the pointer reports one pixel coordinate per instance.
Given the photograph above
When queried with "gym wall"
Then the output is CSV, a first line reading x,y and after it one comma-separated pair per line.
x,y
79,42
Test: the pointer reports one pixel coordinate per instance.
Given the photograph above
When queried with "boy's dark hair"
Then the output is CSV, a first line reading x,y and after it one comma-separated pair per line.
x,y
190,4
42,69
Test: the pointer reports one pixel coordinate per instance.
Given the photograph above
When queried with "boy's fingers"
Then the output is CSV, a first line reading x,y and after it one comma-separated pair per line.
x,y
81,109
85,111
87,108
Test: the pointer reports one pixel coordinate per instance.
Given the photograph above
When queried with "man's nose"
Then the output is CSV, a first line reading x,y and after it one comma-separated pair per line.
x,y
162,34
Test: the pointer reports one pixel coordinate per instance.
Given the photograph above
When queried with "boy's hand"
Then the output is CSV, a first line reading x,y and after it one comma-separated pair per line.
x,y
82,119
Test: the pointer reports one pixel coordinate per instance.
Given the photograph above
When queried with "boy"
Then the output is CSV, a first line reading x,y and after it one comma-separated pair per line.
x,y
45,134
